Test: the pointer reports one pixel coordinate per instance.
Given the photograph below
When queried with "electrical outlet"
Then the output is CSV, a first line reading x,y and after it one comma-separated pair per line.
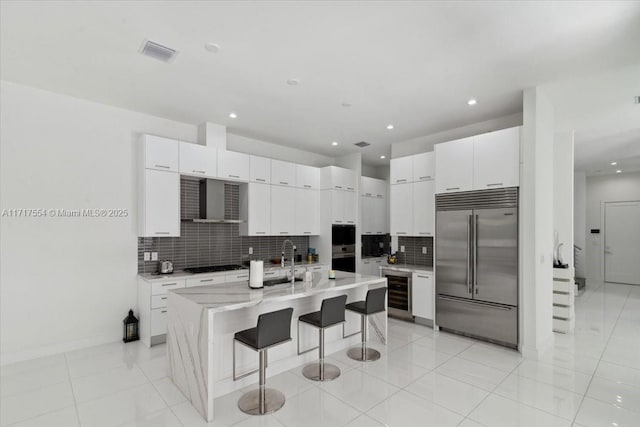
x,y
147,256
424,250
154,256
402,248
250,251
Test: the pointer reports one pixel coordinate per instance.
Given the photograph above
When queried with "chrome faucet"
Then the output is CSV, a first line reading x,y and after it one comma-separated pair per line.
x,y
293,257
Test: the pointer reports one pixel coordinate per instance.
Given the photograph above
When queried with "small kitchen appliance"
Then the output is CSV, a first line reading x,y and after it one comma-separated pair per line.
x,y
165,267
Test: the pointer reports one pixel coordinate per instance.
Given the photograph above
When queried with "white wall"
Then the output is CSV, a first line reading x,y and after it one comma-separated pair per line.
x,y
580,221
243,144
425,143
536,224
563,216
68,282
600,189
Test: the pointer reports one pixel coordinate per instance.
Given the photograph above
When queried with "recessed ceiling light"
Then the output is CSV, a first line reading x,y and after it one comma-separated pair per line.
x,y
383,157
233,115
389,126
212,47
472,101
293,82
334,143
618,171
614,163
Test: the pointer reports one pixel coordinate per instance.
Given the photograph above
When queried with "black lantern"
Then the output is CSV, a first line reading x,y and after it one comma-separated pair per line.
x,y
130,328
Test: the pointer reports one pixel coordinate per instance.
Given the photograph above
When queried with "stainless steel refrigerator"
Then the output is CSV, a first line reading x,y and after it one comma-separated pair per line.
x,y
477,264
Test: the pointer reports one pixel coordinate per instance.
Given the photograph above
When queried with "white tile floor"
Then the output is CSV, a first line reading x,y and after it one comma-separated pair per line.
x,y
589,378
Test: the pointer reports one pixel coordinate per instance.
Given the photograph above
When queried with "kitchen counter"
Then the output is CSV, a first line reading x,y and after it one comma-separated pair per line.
x,y
408,268
202,321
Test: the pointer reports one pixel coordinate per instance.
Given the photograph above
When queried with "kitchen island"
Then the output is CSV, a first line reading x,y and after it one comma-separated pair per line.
x,y
203,320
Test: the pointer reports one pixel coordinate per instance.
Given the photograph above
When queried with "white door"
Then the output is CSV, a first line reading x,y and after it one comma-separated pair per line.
x,y
496,159
260,169
423,208
401,170
198,160
454,165
307,212
622,242
259,207
161,204
283,214
401,212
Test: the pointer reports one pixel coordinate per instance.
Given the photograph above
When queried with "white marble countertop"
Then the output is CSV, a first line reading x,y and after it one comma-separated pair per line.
x,y
237,295
408,268
181,274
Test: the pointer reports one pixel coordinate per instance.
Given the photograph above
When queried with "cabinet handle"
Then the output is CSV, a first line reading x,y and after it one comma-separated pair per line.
x,y
242,276
402,232
424,277
367,194
284,183
306,232
494,184
169,284
337,186
195,171
261,180
452,188
425,177
284,232
206,280
163,311
270,273
351,222
163,298
350,188
261,232
162,232
338,221
401,180
307,186
425,232
234,176
163,166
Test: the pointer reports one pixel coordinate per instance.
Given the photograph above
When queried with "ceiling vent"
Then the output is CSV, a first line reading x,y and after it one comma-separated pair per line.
x,y
637,99
362,144
157,51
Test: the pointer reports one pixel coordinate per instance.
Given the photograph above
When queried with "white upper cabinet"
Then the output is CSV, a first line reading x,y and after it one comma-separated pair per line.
x,y
334,177
374,215
372,187
454,166
401,209
159,204
307,177
423,208
160,153
198,160
283,216
255,209
424,166
260,169
496,159
233,165
402,170
307,205
343,207
283,173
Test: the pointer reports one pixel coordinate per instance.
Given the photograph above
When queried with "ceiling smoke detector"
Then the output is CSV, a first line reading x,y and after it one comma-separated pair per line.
x,y
158,51
362,144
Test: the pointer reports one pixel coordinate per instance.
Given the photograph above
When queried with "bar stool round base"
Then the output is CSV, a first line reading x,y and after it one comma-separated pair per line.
x,y
249,403
312,372
363,354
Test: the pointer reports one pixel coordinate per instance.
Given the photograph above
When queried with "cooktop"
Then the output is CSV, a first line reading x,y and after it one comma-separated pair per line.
x,y
214,268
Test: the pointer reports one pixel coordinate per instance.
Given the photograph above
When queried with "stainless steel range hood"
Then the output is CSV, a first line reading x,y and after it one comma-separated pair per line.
x,y
212,203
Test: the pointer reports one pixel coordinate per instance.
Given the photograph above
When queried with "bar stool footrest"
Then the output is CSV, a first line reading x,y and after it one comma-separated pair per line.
x,y
249,403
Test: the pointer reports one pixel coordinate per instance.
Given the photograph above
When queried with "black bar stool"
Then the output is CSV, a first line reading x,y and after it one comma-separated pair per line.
x,y
331,314
373,304
273,328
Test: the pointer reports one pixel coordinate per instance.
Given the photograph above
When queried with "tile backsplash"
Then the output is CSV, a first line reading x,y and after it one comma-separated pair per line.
x,y
202,244
413,251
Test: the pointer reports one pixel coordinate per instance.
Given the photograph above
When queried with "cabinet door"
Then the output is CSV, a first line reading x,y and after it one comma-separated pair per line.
x,y
423,208
424,166
283,214
350,206
496,159
233,165
402,170
260,169
158,321
454,166
379,262
422,295
401,212
198,160
379,209
346,179
255,208
161,204
160,153
367,186
338,203
380,189
283,173
307,212
307,177
368,215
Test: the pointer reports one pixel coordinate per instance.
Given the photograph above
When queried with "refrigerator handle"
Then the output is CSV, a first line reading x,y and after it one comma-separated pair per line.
x,y
469,254
475,253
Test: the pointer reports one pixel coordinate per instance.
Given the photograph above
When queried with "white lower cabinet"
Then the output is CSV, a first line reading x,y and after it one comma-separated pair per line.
x,y
152,308
307,211
283,214
158,322
422,295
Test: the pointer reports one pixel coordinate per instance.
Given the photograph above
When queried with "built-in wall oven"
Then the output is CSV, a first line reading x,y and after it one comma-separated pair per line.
x,y
343,248
399,294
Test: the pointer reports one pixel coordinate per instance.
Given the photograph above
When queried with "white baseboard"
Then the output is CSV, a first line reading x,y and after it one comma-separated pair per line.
x,y
50,350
